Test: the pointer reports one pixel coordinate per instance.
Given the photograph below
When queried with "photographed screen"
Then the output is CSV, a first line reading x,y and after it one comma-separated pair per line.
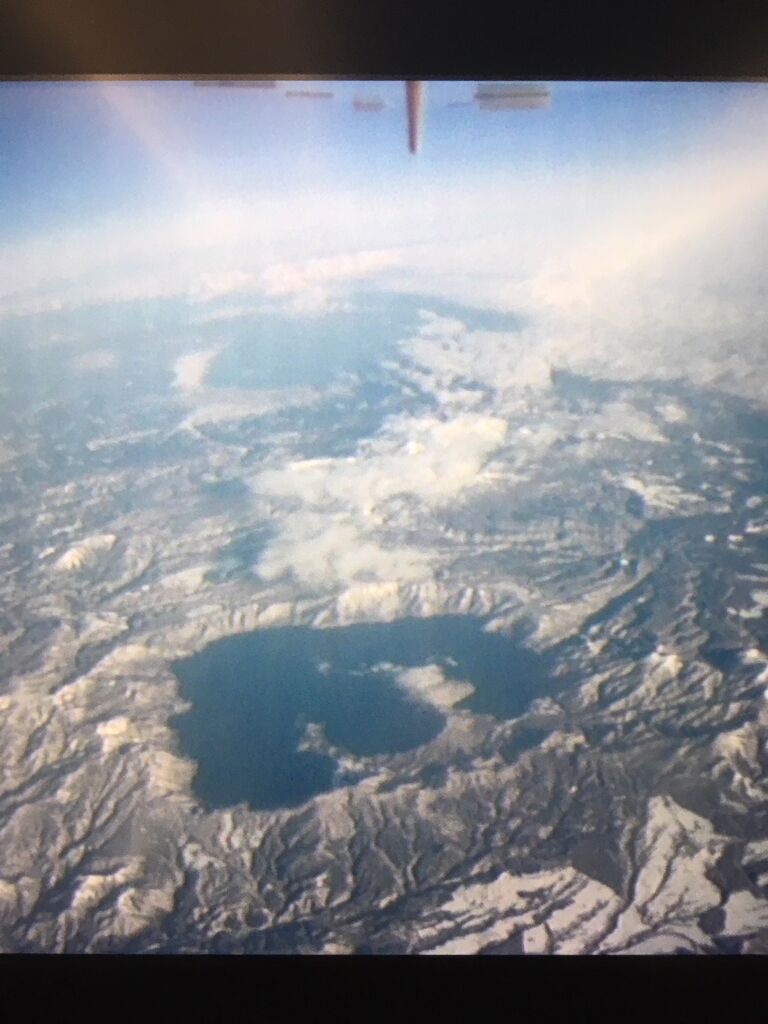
x,y
383,517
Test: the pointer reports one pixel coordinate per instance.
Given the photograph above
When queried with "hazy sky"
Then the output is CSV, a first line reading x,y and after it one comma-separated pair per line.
x,y
72,152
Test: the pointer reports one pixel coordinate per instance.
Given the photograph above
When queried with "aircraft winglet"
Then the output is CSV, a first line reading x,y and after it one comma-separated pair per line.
x,y
414,96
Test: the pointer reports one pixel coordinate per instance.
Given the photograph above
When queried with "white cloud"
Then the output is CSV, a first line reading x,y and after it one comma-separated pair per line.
x,y
313,286
288,278
347,506
622,420
671,412
215,285
201,252
190,370
227,412
426,457
226,313
228,405
448,354
325,552
379,601
429,684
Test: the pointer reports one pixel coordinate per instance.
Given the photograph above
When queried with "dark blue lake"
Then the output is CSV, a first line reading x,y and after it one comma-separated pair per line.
x,y
253,695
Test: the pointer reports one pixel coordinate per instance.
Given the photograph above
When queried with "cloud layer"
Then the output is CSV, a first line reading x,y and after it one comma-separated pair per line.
x,y
426,458
345,507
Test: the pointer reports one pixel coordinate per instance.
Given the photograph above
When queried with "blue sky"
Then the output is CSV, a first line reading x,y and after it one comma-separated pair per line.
x,y
72,152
